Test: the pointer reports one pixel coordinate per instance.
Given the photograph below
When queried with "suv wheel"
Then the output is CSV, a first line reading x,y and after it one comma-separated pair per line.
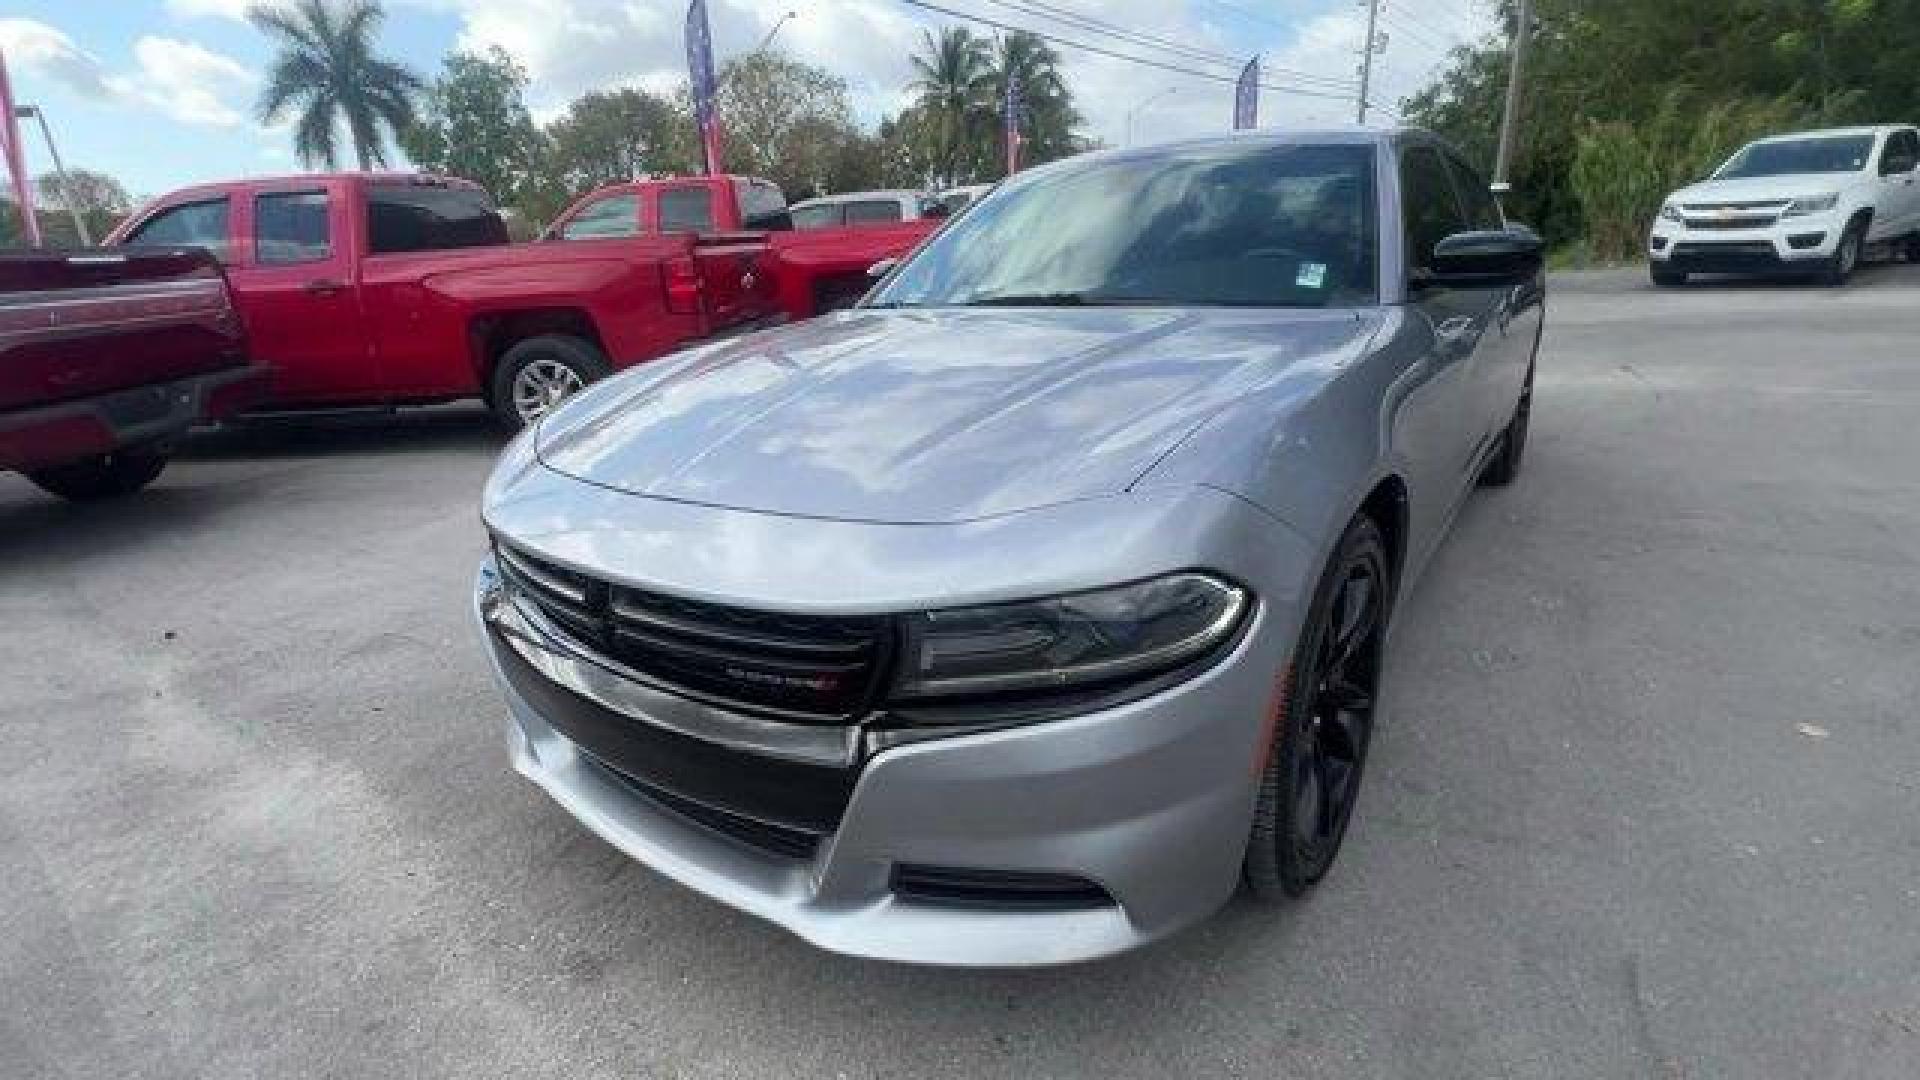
x,y
1666,278
541,372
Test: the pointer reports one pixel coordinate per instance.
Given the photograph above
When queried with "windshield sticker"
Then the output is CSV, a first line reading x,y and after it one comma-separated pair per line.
x,y
1311,276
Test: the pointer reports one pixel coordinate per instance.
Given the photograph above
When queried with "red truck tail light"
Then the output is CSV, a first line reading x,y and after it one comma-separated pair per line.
x,y
684,286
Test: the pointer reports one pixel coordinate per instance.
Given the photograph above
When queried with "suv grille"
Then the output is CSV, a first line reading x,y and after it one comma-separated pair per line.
x,y
802,667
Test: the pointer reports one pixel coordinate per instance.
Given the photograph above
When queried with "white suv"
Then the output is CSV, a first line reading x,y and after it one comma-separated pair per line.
x,y
1809,202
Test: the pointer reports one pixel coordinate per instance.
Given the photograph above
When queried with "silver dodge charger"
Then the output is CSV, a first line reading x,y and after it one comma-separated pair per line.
x,y
1023,613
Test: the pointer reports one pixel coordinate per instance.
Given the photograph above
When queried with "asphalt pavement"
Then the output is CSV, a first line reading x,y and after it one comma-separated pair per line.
x,y
1647,802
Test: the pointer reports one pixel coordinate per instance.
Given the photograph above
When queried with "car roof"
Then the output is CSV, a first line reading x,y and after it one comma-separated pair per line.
x,y
859,196
1833,132
424,179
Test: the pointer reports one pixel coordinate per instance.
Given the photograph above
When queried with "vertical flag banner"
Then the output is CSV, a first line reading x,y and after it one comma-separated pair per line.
x,y
1010,120
1246,97
706,90
13,157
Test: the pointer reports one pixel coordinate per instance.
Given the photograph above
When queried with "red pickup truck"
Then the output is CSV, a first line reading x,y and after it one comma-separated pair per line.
x,y
106,357
374,289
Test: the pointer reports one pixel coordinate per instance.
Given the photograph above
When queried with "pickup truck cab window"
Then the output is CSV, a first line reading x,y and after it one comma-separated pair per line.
x,y
686,209
819,216
762,206
194,224
870,211
614,215
426,218
1217,225
1902,153
291,227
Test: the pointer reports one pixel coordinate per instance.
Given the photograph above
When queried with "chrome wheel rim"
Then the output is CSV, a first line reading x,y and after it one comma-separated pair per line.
x,y
541,385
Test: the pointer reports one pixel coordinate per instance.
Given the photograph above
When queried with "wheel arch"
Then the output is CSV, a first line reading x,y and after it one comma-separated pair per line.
x,y
490,335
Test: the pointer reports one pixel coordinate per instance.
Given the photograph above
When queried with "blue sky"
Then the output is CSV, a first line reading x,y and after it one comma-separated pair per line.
x,y
160,92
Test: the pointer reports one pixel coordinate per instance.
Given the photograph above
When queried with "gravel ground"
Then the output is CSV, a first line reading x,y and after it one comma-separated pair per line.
x,y
1645,806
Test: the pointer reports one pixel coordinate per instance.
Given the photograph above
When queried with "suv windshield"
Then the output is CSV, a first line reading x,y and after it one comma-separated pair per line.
x,y
1831,154
1225,225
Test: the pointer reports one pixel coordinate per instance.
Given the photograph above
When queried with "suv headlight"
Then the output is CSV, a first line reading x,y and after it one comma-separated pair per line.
x,y
1670,212
1818,204
1087,641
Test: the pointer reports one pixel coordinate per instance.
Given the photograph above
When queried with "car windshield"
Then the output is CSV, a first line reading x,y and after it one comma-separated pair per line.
x,y
1830,154
1224,225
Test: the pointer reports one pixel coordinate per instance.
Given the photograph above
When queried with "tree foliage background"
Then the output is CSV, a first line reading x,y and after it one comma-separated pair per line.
x,y
1628,99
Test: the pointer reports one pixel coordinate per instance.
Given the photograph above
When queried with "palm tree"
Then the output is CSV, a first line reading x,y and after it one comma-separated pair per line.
x,y
953,88
1034,66
327,71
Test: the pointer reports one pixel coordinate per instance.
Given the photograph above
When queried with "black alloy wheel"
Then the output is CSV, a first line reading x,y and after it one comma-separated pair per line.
x,y
1328,704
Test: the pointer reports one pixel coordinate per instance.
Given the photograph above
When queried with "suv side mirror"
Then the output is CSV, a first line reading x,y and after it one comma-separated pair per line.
x,y
1485,259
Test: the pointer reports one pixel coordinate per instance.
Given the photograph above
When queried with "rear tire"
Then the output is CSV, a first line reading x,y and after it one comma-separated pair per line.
x,y
106,476
1665,278
1846,255
1504,467
539,373
1318,749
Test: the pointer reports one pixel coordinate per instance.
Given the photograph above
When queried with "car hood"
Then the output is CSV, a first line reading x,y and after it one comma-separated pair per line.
x,y
1764,188
934,415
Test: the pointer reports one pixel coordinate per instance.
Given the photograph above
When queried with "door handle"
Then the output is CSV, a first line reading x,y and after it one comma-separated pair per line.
x,y
323,287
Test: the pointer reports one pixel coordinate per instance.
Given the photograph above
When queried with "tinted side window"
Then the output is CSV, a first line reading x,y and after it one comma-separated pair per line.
x,y
686,209
820,216
291,227
194,224
1432,212
1901,154
872,210
431,219
761,205
1482,211
611,215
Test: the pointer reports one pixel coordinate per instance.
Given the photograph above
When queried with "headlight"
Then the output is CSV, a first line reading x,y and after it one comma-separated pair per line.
x,y
1670,212
1082,641
1818,204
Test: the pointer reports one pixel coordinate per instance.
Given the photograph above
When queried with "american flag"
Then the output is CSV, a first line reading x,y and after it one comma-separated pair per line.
x,y
1011,109
706,105
1246,96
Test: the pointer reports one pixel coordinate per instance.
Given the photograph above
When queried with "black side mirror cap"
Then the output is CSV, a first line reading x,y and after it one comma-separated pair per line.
x,y
1485,259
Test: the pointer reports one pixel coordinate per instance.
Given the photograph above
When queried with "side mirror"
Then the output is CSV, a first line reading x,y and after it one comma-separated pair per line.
x,y
881,269
1488,259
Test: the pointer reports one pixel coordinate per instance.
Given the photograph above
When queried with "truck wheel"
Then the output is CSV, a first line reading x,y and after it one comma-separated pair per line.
x,y
1665,278
1846,256
122,472
541,372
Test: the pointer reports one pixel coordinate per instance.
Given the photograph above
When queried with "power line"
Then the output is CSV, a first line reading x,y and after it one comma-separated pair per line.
x,y
1151,41
1098,50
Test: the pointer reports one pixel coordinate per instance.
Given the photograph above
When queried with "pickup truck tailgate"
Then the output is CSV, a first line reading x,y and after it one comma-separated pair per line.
x,y
82,324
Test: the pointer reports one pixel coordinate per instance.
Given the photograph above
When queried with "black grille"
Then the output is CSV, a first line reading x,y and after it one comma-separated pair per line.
x,y
1731,257
764,836
801,667
1744,222
1004,890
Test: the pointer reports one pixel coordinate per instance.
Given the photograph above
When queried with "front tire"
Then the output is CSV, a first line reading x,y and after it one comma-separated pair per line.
x,y
1325,721
539,373
1846,255
105,476
1666,278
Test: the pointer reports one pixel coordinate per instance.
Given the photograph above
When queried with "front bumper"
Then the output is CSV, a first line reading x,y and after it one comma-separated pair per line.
x,y
1791,245
1150,801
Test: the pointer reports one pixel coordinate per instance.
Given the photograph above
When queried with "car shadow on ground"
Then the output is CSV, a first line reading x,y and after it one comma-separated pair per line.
x,y
412,431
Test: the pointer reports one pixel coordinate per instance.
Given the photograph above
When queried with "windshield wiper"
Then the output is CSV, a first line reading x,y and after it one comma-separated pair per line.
x,y
1052,299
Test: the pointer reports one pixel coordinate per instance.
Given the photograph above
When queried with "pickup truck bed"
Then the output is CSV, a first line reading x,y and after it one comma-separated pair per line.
x,y
106,357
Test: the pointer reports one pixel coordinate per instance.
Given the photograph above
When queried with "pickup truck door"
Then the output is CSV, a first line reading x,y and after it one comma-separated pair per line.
x,y
294,276
1899,195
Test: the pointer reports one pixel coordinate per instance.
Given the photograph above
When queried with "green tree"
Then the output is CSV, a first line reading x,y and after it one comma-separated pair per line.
x,y
1049,116
327,74
786,120
606,137
954,86
99,199
474,123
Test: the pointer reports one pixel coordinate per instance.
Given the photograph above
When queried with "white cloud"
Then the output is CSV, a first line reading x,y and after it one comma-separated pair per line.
x,y
189,82
185,80
35,47
225,9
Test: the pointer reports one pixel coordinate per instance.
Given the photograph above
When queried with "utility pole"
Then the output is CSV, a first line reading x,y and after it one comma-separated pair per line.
x,y
35,112
1510,120
1366,58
